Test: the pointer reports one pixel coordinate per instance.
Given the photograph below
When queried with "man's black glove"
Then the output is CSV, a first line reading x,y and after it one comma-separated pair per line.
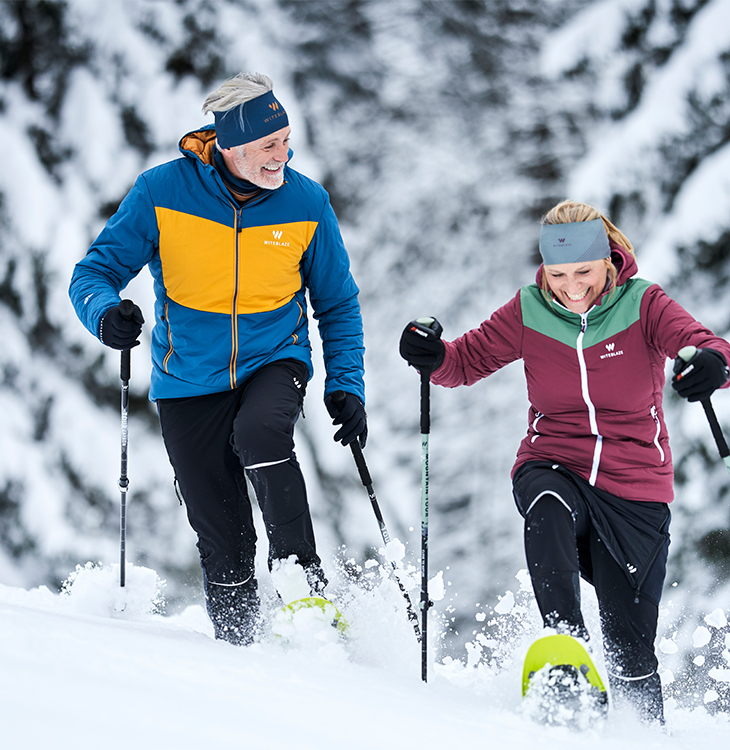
x,y
347,410
698,377
421,345
121,325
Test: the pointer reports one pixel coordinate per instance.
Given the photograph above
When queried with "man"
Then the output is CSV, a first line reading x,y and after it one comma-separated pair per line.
x,y
234,238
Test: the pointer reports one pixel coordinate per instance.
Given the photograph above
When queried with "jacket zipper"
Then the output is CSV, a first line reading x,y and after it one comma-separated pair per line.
x,y
170,347
237,228
295,336
234,311
539,416
647,567
658,430
587,399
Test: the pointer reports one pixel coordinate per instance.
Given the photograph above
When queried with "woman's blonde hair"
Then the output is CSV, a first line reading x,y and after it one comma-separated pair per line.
x,y
567,212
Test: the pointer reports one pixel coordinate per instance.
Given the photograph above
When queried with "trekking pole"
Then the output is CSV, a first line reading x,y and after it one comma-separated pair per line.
x,y
429,328
688,353
425,601
368,484
126,308
362,468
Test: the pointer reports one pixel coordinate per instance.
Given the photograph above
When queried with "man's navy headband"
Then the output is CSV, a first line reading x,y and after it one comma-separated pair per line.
x,y
576,242
250,121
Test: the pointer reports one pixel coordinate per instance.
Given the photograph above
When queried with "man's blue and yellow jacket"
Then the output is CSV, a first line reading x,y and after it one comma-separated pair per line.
x,y
230,282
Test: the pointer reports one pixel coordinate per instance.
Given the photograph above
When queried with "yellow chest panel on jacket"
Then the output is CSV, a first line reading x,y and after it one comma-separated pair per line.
x,y
210,267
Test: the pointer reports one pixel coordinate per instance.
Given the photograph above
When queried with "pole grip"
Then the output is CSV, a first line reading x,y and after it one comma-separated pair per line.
x,y
687,353
362,467
425,402
716,429
125,366
126,310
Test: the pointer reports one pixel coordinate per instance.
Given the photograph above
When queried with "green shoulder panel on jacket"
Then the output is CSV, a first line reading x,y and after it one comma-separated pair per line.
x,y
616,314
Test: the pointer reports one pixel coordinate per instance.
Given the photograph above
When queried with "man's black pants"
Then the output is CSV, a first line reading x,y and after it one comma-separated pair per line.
x,y
211,440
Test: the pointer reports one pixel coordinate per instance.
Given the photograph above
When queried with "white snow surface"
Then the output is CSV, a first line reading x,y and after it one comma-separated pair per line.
x,y
96,666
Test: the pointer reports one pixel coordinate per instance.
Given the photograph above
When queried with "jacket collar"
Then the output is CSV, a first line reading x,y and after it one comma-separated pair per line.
x,y
199,143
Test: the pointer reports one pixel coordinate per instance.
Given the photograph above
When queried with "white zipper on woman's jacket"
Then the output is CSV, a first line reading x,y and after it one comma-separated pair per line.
x,y
587,398
539,416
658,431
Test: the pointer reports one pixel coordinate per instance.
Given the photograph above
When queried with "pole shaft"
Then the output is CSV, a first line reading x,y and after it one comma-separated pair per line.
x,y
123,479
368,484
688,353
425,601
123,540
716,429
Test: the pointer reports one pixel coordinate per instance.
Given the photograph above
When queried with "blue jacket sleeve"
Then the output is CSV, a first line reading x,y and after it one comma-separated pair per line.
x,y
334,297
125,245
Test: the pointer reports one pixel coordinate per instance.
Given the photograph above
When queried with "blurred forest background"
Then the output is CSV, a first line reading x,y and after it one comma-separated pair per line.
x,y
442,131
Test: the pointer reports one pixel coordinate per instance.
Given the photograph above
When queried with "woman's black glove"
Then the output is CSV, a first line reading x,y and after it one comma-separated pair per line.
x,y
698,377
347,410
121,325
421,345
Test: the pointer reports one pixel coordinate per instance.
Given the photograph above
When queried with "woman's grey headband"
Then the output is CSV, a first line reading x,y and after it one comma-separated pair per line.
x,y
576,242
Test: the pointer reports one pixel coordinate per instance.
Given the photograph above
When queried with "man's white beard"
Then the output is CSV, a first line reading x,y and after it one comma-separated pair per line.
x,y
258,177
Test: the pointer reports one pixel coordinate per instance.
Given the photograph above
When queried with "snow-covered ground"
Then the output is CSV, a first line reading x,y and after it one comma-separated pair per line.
x,y
94,666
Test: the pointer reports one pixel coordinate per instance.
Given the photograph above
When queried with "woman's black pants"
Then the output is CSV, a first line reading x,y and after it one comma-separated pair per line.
x,y
561,543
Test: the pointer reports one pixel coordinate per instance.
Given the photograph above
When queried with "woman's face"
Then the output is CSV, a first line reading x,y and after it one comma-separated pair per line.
x,y
577,285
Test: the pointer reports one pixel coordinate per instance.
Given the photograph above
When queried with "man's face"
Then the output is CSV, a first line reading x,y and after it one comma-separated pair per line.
x,y
260,162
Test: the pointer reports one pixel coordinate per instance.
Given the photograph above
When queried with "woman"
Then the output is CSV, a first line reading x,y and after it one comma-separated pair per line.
x,y
593,477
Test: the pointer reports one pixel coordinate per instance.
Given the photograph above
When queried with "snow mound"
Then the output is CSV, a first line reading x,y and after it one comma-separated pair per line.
x,y
94,589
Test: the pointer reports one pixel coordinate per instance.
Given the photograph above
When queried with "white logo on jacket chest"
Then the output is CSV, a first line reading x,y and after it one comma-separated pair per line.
x,y
611,351
277,234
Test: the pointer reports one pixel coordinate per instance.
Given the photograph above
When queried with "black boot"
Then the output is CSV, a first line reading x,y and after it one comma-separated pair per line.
x,y
316,579
644,696
234,611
